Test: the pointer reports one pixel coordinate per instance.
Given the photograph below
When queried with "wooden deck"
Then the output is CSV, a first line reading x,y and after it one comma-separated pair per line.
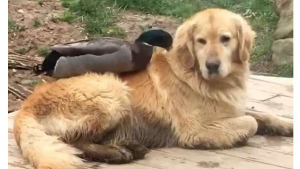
x,y
267,94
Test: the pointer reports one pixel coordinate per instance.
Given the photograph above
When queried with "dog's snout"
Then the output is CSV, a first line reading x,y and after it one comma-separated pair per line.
x,y
213,66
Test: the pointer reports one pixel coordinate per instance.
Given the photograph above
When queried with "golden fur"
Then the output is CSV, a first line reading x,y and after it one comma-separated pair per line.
x,y
175,102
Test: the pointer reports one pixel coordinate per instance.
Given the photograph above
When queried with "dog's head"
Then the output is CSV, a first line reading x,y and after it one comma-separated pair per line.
x,y
214,41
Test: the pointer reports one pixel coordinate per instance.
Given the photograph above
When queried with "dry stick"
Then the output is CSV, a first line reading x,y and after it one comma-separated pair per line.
x,y
17,61
12,52
18,90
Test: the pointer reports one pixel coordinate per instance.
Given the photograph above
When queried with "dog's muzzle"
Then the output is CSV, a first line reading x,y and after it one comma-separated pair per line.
x,y
213,66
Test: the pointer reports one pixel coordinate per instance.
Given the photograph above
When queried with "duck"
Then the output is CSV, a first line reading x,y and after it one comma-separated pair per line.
x,y
103,54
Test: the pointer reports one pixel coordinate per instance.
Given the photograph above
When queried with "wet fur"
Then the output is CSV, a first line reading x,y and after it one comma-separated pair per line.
x,y
116,119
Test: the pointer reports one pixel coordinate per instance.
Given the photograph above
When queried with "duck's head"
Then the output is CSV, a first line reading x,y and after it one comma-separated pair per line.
x,y
156,38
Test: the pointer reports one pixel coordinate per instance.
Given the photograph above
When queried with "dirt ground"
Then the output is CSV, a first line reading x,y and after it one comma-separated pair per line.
x,y
41,28
134,23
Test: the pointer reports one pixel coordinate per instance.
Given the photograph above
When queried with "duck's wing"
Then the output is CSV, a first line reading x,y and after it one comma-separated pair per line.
x,y
95,46
116,62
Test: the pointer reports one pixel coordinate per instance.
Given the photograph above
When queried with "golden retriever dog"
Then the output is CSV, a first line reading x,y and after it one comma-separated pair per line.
x,y
192,96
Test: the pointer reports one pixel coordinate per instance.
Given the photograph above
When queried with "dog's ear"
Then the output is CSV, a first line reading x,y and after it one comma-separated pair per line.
x,y
184,44
246,37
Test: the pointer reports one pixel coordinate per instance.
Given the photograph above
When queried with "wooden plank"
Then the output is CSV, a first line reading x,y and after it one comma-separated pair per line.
x,y
133,165
281,100
12,165
18,163
275,80
166,161
174,159
14,152
271,87
281,105
260,95
260,155
284,111
277,144
210,158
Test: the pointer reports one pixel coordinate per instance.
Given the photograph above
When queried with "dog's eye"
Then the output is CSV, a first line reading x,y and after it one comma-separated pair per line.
x,y
225,38
202,41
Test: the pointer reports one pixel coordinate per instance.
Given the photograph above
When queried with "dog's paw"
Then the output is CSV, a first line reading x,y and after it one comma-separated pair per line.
x,y
225,141
276,126
109,153
121,156
118,153
221,134
138,150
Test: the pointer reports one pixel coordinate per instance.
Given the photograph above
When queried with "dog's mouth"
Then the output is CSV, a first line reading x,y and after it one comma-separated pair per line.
x,y
211,76
213,72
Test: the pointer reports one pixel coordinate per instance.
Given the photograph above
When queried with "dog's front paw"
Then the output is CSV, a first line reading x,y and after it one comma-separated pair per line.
x,y
276,125
138,150
218,141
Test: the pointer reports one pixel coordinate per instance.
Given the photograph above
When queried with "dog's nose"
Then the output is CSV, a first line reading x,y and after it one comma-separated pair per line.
x,y
213,66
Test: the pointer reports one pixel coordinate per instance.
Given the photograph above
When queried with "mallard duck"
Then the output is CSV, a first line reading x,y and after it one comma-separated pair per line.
x,y
104,54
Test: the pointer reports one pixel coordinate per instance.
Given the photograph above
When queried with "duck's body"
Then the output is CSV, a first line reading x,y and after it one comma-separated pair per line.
x,y
105,54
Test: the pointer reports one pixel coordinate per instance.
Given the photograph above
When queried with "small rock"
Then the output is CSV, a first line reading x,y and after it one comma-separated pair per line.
x,y
285,24
282,51
281,5
21,11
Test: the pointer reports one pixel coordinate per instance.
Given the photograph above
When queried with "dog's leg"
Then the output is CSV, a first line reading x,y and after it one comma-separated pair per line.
x,y
223,133
115,153
269,124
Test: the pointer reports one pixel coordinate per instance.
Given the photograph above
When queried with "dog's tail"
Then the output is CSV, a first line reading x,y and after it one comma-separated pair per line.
x,y
43,151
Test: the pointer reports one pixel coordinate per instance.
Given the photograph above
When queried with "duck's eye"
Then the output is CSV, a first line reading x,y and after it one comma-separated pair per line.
x,y
202,41
225,38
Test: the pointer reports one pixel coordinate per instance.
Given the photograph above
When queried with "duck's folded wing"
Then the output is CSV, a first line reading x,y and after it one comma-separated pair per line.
x,y
95,46
117,62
